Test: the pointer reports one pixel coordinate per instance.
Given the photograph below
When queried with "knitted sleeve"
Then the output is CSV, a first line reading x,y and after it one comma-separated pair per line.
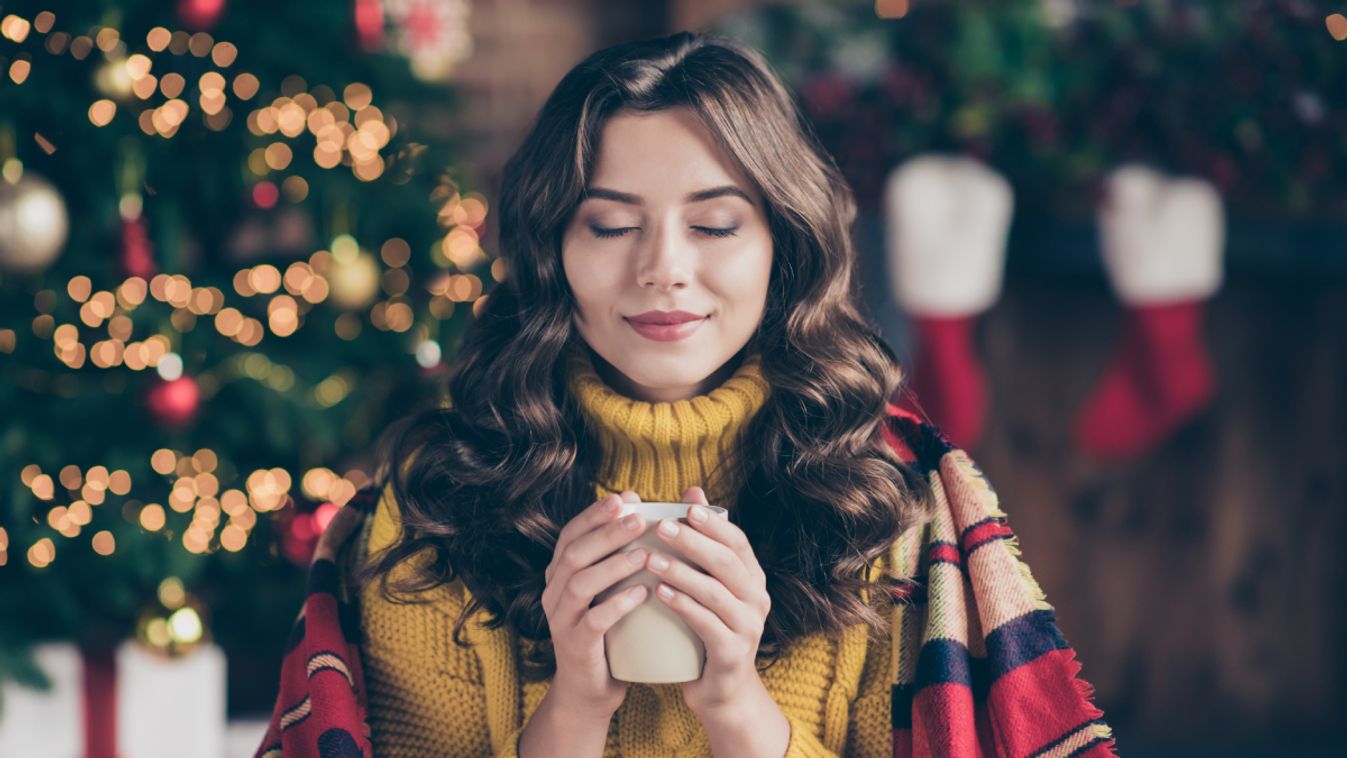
x,y
426,693
803,742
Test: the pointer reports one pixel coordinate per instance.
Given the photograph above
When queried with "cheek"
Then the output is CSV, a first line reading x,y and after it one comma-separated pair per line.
x,y
589,282
744,280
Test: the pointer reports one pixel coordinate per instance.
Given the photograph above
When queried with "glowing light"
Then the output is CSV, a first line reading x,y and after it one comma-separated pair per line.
x,y
80,512
104,543
357,95
138,65
428,354
278,156
245,86
395,252
15,28
170,367
108,39
185,625
19,70
172,84
265,194
80,47
200,44
223,54
102,111
156,632
1337,26
265,279
172,594
43,487
158,38
233,537
152,517
79,287
295,189
145,86
42,553
57,42
119,482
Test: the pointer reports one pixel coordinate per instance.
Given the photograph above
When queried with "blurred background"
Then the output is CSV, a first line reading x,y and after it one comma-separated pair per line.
x,y
1107,237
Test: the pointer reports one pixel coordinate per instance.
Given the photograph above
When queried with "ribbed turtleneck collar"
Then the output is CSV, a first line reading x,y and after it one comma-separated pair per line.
x,y
659,449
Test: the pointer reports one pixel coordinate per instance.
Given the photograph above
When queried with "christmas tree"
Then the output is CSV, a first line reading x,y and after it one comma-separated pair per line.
x,y
231,252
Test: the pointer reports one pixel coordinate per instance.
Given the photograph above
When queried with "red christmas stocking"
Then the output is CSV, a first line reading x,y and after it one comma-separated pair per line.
x,y
1162,242
949,384
1160,377
946,222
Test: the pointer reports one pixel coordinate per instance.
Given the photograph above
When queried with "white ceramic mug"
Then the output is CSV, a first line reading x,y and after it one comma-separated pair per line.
x,y
652,643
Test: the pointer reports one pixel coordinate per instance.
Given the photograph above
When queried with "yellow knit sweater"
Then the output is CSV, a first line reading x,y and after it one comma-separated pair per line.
x,y
428,696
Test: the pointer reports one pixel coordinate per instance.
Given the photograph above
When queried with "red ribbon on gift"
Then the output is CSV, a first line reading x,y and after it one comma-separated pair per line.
x,y
100,701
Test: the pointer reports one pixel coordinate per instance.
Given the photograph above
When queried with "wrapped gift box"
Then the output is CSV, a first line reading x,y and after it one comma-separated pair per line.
x,y
164,707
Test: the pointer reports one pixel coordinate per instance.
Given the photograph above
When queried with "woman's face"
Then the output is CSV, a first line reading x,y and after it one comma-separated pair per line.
x,y
669,225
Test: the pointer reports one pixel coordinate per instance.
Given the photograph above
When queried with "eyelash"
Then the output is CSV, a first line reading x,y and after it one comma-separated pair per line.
x,y
605,233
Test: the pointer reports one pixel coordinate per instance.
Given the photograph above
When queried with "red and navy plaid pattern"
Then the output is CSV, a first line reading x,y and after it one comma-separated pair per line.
x,y
1009,690
960,689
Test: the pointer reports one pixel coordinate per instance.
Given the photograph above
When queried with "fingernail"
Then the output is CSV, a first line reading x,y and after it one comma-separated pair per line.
x,y
659,562
697,513
665,592
668,528
636,556
631,520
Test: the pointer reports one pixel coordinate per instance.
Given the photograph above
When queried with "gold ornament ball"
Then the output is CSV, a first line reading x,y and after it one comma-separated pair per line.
x,y
354,284
33,224
174,623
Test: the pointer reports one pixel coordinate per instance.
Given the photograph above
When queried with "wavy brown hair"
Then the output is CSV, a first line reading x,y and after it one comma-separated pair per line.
x,y
485,482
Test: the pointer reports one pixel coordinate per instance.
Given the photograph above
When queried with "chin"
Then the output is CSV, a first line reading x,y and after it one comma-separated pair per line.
x,y
659,371
670,371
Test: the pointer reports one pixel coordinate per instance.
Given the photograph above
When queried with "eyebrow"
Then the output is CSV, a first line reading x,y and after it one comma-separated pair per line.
x,y
726,190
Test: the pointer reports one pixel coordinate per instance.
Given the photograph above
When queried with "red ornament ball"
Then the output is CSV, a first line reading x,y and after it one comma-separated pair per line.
x,y
174,403
200,14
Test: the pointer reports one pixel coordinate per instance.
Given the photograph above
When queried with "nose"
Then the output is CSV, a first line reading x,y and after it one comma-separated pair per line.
x,y
664,258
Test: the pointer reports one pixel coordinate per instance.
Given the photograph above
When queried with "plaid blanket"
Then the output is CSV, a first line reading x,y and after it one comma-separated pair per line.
x,y
982,669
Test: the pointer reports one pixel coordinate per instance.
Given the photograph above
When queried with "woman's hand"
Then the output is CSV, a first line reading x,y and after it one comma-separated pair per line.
x,y
727,607
584,564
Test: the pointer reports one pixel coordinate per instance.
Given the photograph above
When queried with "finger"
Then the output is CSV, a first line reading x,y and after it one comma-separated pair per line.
x,y
599,619
717,637
713,556
596,515
695,495
708,591
727,533
589,548
574,598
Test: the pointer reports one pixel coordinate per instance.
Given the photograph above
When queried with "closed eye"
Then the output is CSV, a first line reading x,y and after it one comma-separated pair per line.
x,y
604,232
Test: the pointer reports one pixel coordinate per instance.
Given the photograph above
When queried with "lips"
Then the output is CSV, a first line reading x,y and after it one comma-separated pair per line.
x,y
667,332
664,318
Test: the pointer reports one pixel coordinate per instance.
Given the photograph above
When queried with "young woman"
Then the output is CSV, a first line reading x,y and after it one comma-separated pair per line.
x,y
679,322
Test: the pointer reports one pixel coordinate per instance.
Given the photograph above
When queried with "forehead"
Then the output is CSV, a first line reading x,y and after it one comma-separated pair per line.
x,y
663,156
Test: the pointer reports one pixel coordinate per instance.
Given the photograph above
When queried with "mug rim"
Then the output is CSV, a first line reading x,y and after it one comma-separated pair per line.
x,y
655,510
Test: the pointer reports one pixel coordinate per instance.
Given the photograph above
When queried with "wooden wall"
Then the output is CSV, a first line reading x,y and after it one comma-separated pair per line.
x,y
1202,584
